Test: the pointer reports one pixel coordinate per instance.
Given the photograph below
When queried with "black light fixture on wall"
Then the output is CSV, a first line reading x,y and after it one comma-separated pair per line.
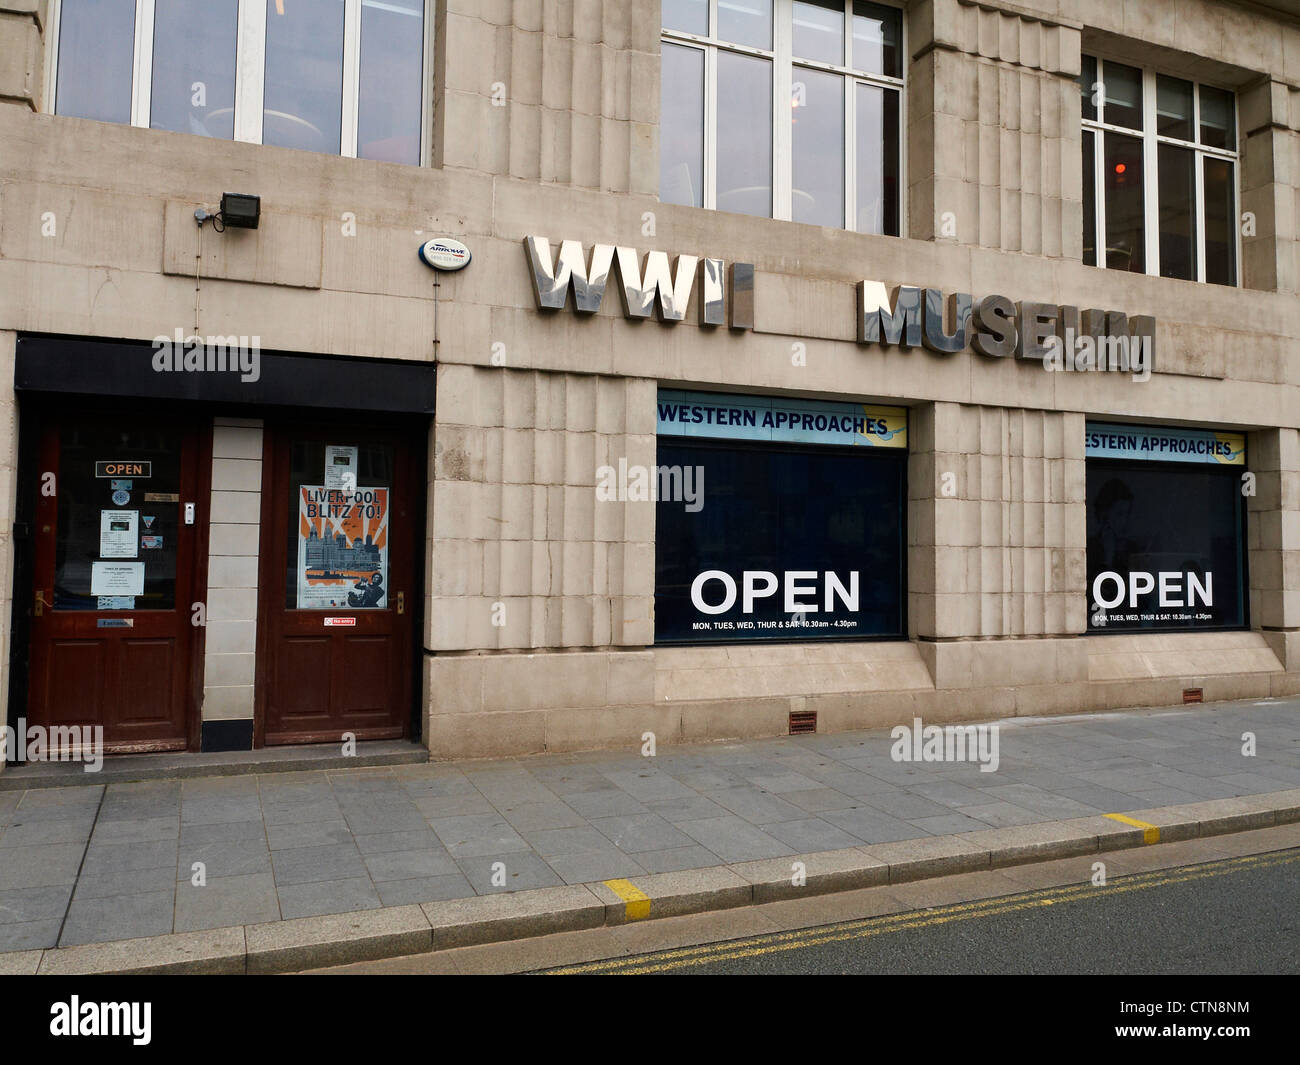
x,y
238,210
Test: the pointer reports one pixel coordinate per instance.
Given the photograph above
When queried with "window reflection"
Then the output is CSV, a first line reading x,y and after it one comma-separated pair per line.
x,y
744,134
681,126
96,59
1123,91
745,22
817,118
819,30
877,39
1220,222
877,160
303,97
194,67
1177,191
391,87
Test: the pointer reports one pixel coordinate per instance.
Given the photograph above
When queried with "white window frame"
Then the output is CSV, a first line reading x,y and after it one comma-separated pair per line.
x,y
1151,141
784,62
250,67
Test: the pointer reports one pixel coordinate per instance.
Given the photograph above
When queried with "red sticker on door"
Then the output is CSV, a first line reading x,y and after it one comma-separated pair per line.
x,y
340,621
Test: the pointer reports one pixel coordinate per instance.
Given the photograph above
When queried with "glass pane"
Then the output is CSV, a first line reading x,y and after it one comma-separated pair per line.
x,y
688,16
817,119
877,38
1177,190
1218,125
194,67
1089,198
1123,90
1125,233
782,511
117,532
1088,86
744,134
96,59
1174,108
745,22
303,98
1181,524
340,496
681,126
1220,222
392,77
877,160
819,30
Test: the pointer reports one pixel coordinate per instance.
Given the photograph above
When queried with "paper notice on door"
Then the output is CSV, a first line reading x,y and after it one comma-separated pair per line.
x,y
340,467
119,533
117,578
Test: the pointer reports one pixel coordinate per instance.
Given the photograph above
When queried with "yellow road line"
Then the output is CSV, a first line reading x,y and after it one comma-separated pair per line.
x,y
1150,833
638,902
777,942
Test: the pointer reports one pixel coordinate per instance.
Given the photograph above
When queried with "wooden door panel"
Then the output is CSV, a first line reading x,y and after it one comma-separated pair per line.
x,y
335,631
123,659
75,676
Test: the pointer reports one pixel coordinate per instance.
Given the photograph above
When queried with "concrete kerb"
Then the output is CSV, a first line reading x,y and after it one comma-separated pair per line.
x,y
336,939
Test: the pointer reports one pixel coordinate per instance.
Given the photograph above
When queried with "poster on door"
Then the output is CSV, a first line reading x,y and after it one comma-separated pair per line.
x,y
342,548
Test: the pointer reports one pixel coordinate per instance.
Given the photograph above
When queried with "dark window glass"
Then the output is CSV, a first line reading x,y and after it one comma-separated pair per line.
x,y
817,122
877,39
1177,191
1218,125
681,126
194,67
1123,91
877,160
1089,198
687,16
1220,222
1088,86
1125,228
392,81
744,134
1174,108
746,22
96,59
110,520
1153,519
819,30
303,97
782,511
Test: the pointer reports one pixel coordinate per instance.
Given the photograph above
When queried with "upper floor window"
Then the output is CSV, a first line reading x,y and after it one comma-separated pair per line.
x,y
1159,174
339,76
783,108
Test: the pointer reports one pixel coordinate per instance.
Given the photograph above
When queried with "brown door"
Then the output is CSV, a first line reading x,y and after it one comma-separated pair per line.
x,y
116,578
340,513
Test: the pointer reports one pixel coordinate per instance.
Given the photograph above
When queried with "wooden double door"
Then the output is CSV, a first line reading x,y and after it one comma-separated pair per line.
x,y
120,564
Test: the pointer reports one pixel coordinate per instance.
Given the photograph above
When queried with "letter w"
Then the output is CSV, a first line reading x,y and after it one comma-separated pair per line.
x,y
671,289
552,281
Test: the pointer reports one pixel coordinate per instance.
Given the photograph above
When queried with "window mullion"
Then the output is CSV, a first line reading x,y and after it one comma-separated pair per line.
x,y
1099,195
782,91
250,70
1150,180
351,76
142,76
711,128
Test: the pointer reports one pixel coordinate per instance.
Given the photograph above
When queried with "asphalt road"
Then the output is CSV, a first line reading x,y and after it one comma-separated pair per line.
x,y
1239,915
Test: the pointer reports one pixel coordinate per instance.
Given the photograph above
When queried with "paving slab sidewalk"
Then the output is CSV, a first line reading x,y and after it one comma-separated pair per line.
x,y
280,870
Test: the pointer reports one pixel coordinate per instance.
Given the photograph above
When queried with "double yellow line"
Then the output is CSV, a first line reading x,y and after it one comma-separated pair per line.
x,y
776,942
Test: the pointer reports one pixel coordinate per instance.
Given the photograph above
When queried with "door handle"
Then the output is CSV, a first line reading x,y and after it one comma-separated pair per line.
x,y
41,604
401,602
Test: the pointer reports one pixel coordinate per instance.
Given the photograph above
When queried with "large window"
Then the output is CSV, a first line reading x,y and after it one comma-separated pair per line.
x,y
346,77
778,519
1159,174
784,109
